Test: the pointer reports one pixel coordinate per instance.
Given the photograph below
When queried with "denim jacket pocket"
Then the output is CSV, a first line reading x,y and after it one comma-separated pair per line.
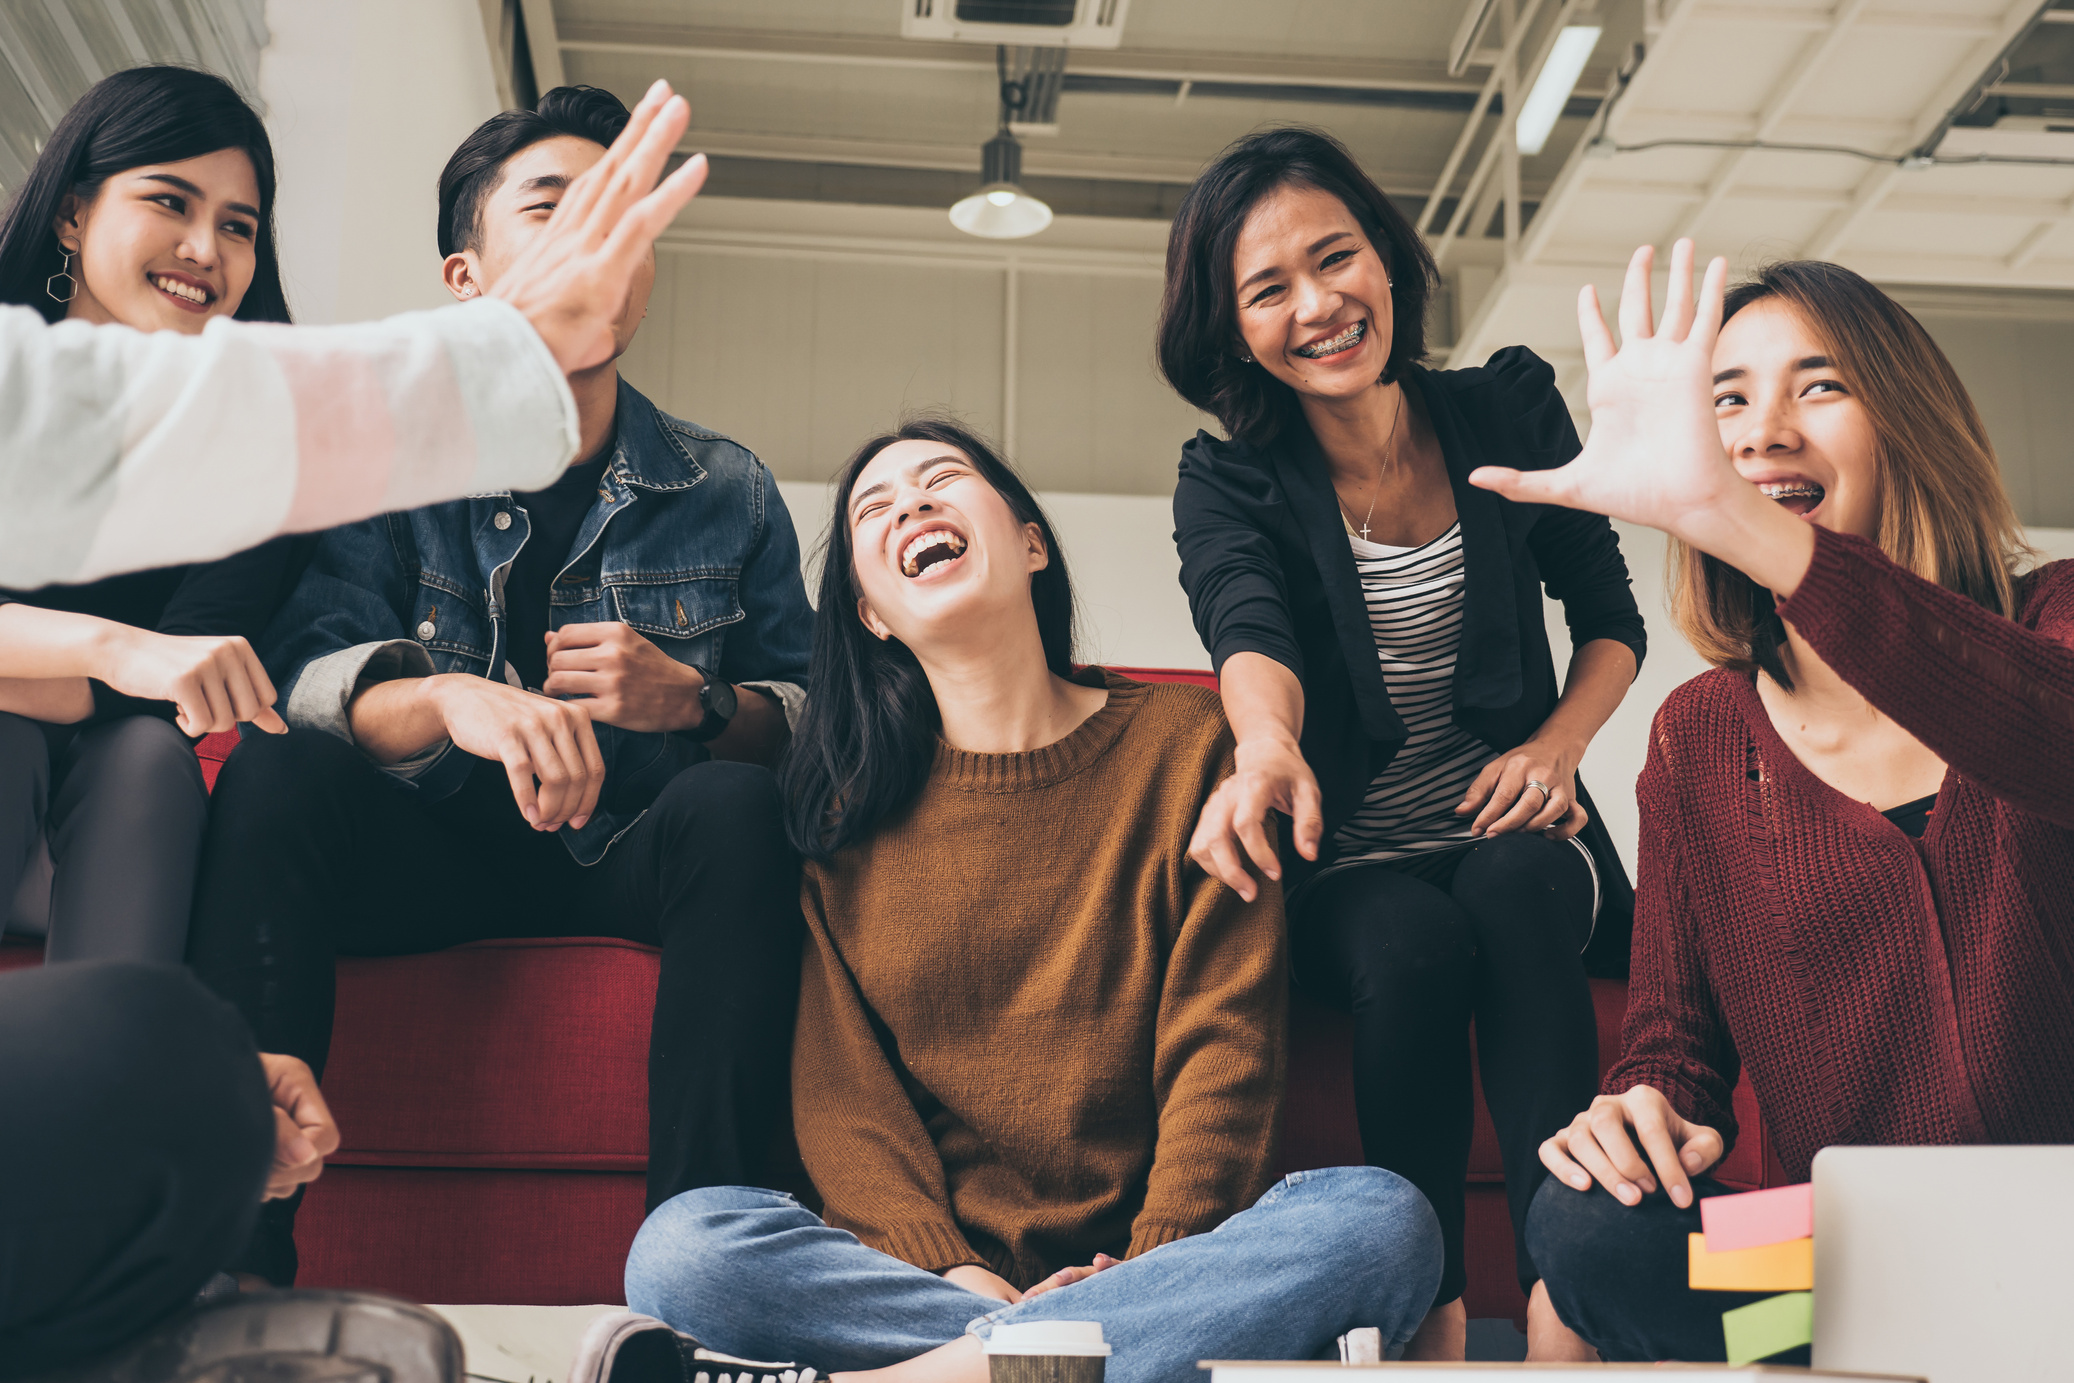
x,y
453,628
678,608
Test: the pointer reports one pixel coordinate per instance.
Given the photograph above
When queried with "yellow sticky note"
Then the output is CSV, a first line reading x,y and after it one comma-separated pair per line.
x,y
1764,1328
1787,1267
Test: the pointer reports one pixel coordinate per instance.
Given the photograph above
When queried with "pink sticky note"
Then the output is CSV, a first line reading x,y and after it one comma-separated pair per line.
x,y
1756,1218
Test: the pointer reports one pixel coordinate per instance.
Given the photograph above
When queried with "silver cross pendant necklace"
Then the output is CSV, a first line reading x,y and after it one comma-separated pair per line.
x,y
1389,459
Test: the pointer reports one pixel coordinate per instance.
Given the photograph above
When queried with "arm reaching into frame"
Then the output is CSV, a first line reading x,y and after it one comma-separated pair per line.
x,y
1654,456
122,450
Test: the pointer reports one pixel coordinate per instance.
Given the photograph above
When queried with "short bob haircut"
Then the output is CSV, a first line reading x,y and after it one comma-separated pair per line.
x,y
1943,512
1199,343
145,115
864,745
586,112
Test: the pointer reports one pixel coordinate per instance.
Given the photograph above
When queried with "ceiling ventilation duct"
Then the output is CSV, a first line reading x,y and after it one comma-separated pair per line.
x,y
1043,23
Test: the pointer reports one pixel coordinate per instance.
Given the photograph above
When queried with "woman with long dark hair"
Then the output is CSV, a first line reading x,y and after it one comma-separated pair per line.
x,y
1377,628
1034,1043
1856,879
151,206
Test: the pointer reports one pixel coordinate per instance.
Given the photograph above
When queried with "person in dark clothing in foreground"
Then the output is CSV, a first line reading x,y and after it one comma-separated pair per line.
x,y
1858,821
537,715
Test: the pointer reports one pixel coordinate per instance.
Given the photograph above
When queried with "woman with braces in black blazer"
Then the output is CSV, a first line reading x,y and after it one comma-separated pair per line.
x,y
1377,627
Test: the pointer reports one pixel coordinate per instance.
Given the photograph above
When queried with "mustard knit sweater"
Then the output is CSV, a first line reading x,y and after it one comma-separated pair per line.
x,y
1030,1030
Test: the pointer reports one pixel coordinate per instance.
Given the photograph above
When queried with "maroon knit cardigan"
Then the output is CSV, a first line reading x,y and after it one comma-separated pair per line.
x,y
1879,989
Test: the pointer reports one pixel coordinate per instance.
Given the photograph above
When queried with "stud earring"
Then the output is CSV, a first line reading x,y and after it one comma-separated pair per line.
x,y
64,275
1245,360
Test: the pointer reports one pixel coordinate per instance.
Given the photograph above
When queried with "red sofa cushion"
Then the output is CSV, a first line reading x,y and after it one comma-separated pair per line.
x,y
519,1238
498,1054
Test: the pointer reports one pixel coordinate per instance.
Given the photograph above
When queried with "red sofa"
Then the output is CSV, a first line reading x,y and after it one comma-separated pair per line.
x,y
493,1098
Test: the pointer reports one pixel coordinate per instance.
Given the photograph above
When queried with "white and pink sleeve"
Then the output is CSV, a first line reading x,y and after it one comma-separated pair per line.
x,y
122,450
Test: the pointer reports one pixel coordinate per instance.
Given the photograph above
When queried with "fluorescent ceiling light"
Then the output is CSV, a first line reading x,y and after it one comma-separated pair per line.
x,y
1566,60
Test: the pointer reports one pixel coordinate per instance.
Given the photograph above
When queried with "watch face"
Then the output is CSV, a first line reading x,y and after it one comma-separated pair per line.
x,y
719,698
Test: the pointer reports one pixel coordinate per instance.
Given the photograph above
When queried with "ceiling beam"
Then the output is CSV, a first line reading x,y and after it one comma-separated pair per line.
x,y
1641,124
1777,102
2027,250
752,45
1039,160
1930,120
544,43
1814,21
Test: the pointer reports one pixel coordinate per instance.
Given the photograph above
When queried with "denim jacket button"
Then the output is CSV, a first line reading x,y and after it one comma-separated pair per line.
x,y
426,629
502,521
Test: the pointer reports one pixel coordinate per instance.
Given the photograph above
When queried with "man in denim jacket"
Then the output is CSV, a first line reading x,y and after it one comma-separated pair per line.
x,y
545,714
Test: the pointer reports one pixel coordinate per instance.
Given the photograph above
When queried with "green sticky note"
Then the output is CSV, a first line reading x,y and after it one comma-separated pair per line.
x,y
1763,1328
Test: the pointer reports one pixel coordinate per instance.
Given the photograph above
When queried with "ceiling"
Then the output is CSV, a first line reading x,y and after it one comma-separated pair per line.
x,y
1894,96
824,100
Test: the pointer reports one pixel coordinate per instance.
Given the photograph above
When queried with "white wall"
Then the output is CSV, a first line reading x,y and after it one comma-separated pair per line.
x,y
802,328
365,101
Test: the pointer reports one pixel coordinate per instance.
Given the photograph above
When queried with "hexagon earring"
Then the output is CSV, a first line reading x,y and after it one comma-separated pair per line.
x,y
64,276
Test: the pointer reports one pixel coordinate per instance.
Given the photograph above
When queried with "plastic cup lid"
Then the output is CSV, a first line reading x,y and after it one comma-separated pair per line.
x,y
1077,1338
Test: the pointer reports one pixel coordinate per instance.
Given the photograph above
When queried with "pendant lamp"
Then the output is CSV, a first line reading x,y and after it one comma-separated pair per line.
x,y
1001,210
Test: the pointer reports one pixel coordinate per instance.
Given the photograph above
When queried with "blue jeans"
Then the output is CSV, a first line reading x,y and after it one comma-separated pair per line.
x,y
754,1273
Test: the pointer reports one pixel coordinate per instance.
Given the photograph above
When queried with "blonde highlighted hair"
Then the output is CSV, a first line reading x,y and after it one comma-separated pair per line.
x,y
1943,512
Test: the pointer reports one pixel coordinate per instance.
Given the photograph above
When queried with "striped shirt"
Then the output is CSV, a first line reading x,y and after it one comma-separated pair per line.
x,y
1414,597
121,449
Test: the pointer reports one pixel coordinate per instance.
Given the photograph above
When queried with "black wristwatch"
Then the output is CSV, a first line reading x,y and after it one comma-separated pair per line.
x,y
717,702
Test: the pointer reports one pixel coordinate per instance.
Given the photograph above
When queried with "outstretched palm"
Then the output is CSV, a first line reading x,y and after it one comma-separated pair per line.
x,y
1655,454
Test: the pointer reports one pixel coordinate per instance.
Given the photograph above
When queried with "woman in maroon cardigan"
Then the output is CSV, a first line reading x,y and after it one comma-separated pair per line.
x,y
1856,875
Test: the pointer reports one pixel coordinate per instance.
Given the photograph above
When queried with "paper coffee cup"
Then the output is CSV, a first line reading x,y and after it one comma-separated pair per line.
x,y
1047,1352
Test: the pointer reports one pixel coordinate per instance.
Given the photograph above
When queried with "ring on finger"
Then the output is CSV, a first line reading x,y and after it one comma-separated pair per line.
x,y
1542,787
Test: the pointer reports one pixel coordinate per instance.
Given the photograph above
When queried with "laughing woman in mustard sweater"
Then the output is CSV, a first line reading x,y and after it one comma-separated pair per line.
x,y
1039,1053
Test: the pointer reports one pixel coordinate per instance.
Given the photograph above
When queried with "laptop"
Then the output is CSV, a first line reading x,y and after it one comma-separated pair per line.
x,y
1955,1264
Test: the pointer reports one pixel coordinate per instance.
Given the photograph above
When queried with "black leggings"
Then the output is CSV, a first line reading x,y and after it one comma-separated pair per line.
x,y
122,804
1414,951
135,1136
313,852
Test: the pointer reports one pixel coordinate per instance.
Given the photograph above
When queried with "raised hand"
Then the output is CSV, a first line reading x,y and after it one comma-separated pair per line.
x,y
1655,455
572,280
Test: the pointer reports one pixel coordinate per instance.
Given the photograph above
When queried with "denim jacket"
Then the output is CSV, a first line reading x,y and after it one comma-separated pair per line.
x,y
688,542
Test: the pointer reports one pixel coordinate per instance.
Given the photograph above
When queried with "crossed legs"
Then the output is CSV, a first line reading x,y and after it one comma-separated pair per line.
x,y
754,1273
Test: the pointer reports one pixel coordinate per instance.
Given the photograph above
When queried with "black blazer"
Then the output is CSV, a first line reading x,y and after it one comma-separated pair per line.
x,y
1265,562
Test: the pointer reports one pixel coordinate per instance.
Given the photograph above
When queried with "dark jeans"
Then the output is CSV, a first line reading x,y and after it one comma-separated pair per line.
x,y
1413,951
135,1136
1616,1275
122,804
313,852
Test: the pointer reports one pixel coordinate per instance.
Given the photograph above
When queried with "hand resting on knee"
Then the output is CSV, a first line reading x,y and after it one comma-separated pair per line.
x,y
304,1131
1597,1144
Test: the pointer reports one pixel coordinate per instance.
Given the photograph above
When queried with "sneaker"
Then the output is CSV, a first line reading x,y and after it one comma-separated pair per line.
x,y
285,1337
627,1347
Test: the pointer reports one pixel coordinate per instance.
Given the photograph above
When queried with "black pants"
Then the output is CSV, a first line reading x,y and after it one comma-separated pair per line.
x,y
1616,1275
135,1136
122,804
313,852
1414,951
